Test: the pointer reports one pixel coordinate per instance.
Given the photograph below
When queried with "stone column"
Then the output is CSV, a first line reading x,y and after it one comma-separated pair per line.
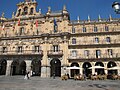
x,y
93,69
8,69
43,71
28,65
105,65
44,61
81,70
48,71
63,70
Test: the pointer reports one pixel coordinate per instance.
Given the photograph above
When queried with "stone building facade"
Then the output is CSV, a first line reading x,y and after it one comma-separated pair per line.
x,y
49,43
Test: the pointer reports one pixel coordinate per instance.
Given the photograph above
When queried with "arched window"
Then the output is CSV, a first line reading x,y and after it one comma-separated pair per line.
x,y
96,40
74,53
95,29
84,29
36,48
73,41
106,28
31,11
110,52
86,52
98,53
73,29
25,11
21,31
20,49
108,39
19,12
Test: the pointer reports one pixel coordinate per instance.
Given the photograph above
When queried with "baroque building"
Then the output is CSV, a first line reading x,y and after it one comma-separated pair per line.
x,y
49,43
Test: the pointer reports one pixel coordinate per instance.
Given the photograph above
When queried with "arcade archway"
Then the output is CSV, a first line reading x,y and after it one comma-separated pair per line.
x,y
15,68
111,64
3,64
86,69
98,70
74,71
36,67
22,68
55,67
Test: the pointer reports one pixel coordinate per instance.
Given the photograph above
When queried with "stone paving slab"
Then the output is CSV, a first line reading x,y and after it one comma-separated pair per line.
x,y
38,83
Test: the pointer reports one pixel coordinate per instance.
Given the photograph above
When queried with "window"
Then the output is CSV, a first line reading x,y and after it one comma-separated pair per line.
x,y
73,41
19,12
4,49
110,52
86,52
106,28
108,39
84,29
95,29
36,48
74,53
31,11
73,29
55,48
21,31
25,11
96,40
20,49
98,53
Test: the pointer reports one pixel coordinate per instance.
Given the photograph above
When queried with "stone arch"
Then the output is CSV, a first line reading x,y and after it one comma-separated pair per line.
x,y
99,71
22,68
86,69
36,67
15,67
110,65
3,64
74,71
55,67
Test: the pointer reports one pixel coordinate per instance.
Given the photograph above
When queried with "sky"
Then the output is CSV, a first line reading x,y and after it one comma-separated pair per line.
x,y
81,8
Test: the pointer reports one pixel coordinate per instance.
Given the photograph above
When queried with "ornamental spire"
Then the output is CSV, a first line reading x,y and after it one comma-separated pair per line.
x,y
88,18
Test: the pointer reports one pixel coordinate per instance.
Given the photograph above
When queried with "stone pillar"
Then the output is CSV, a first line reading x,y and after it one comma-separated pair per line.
x,y
48,71
93,69
118,65
8,69
28,65
81,70
105,65
44,61
63,70
45,71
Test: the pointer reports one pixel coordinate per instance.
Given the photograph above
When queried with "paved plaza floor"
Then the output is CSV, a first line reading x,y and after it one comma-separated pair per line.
x,y
38,83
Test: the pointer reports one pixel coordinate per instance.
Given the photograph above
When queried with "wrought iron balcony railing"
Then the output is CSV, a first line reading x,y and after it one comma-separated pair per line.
x,y
23,52
92,42
55,53
93,56
100,30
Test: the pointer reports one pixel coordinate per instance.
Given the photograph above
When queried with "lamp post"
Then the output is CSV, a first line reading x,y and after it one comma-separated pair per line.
x,y
116,7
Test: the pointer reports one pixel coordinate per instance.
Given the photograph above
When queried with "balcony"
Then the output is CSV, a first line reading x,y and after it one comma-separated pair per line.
x,y
92,43
55,53
92,57
24,52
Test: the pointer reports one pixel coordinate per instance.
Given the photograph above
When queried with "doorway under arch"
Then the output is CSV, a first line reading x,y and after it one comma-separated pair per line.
x,y
55,67
99,71
110,65
15,68
22,68
86,69
74,72
3,64
36,67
